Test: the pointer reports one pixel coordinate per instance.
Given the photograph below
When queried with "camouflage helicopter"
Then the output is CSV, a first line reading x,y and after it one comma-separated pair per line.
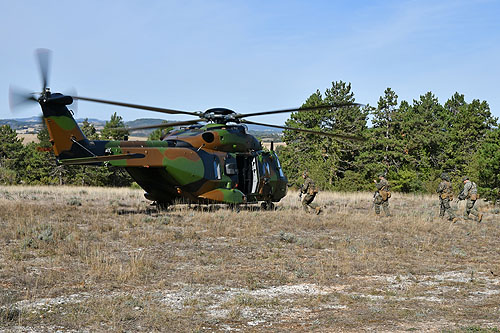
x,y
211,159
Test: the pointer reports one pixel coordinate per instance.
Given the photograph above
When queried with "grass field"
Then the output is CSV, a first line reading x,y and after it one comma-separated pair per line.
x,y
93,259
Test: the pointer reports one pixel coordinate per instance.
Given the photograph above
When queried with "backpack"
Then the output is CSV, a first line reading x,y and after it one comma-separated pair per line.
x,y
384,194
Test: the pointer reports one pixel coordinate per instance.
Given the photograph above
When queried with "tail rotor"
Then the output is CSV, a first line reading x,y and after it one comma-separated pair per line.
x,y
20,97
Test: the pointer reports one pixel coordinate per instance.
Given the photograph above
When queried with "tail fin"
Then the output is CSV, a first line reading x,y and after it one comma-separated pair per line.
x,y
68,141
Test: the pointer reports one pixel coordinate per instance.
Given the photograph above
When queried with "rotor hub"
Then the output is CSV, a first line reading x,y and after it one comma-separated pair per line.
x,y
45,95
220,115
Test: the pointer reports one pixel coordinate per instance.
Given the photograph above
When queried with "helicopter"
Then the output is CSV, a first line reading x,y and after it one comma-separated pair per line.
x,y
211,159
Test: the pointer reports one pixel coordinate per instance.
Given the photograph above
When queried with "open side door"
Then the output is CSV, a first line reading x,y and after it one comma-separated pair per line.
x,y
255,175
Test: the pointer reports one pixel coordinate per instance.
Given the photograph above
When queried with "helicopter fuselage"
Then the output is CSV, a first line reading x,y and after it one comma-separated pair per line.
x,y
214,163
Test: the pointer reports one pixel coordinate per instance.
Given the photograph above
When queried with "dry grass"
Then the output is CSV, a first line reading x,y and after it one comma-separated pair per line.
x,y
98,259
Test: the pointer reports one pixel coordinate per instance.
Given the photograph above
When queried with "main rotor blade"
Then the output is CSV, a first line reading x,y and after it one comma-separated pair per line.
x,y
338,136
137,106
74,105
43,57
164,125
18,97
308,108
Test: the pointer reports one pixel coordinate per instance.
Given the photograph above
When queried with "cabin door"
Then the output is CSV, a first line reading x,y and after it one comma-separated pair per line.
x,y
255,176
248,173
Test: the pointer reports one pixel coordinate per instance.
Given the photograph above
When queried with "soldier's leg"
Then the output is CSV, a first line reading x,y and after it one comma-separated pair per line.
x,y
469,208
306,202
315,206
376,204
385,205
312,204
304,205
446,206
442,207
473,210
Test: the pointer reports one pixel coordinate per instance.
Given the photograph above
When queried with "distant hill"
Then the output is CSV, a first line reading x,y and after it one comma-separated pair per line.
x,y
33,124
21,123
143,122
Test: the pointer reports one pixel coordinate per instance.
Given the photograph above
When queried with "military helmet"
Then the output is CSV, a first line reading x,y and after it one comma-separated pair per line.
x,y
464,178
445,176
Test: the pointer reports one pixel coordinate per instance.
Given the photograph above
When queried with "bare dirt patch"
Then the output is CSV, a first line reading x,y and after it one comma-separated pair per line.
x,y
91,259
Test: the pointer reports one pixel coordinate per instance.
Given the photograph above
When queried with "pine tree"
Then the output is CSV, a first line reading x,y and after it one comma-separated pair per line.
x,y
386,132
10,147
488,165
469,124
10,155
89,130
424,131
327,159
113,129
384,151
37,166
159,133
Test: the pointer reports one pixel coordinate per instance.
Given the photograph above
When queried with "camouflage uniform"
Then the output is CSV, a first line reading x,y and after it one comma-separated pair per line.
x,y
378,200
469,192
307,189
445,191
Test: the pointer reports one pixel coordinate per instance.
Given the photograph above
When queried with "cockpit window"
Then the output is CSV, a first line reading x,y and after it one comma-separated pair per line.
x,y
280,171
230,165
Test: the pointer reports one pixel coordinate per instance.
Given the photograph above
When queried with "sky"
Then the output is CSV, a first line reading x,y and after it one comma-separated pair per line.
x,y
248,56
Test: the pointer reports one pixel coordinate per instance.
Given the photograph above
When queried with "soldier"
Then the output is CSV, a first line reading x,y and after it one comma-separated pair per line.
x,y
469,192
382,195
310,191
445,191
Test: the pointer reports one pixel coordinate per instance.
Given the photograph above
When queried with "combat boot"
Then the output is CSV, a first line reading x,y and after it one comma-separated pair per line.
x,y
318,210
454,220
479,217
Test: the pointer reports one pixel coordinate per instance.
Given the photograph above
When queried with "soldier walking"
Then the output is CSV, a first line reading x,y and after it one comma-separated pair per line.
x,y
382,195
445,191
469,192
310,190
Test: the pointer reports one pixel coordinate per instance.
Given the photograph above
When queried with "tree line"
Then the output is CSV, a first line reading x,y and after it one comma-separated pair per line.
x,y
411,143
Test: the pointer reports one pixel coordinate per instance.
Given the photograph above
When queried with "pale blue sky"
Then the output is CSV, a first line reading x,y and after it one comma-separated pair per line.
x,y
249,55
